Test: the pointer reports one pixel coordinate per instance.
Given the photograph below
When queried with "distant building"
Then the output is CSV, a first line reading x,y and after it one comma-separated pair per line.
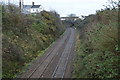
x,y
28,9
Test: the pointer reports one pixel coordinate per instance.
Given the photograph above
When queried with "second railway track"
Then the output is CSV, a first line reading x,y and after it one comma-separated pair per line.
x,y
53,63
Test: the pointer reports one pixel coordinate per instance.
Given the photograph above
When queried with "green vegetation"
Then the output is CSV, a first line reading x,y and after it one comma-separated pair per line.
x,y
25,37
97,46
0,42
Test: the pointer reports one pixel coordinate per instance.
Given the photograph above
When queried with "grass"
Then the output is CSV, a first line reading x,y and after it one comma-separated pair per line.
x,y
25,37
94,65
97,47
0,41
39,53
24,69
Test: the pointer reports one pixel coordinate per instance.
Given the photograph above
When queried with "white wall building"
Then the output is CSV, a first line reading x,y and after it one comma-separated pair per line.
x,y
28,9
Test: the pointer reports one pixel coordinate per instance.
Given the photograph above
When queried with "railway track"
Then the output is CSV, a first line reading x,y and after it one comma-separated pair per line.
x,y
54,62
61,67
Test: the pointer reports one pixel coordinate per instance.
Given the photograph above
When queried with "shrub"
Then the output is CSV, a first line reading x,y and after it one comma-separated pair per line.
x,y
25,37
98,50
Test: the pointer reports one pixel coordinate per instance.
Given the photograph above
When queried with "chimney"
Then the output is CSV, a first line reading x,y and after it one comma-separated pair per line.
x,y
33,3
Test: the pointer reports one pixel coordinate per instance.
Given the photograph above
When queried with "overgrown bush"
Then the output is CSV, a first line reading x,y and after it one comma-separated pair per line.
x,y
25,37
97,46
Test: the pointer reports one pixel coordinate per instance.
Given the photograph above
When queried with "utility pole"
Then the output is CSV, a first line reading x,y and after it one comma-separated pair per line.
x,y
21,4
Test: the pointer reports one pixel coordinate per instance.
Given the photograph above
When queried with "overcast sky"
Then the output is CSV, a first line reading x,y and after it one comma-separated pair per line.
x,y
65,7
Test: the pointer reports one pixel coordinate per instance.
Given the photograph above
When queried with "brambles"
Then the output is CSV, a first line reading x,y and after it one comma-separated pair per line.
x,y
25,37
98,49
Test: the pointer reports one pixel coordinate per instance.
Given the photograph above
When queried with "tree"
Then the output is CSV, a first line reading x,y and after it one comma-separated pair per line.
x,y
111,5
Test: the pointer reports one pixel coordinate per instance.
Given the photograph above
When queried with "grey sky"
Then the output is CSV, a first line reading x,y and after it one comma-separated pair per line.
x,y
65,7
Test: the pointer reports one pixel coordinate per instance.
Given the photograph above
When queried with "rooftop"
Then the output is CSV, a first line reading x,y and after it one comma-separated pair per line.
x,y
27,6
31,6
35,6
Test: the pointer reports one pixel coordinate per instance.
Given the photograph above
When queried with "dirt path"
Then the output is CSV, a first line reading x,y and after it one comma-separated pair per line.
x,y
56,62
